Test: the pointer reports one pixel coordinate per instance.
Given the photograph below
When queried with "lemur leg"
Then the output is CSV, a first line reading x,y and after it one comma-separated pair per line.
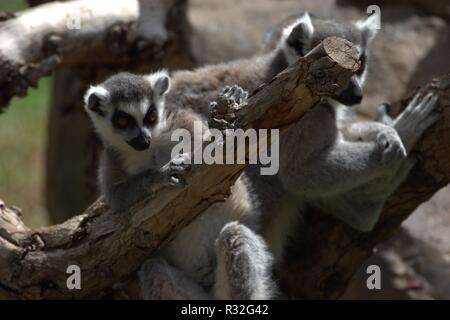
x,y
361,207
243,265
161,281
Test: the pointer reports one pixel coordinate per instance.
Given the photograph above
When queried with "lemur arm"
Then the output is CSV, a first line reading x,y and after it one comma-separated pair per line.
x,y
123,194
122,191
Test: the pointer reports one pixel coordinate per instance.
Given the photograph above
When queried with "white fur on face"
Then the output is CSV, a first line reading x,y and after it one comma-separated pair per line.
x,y
369,27
99,91
291,55
138,110
155,77
361,78
372,22
158,99
102,123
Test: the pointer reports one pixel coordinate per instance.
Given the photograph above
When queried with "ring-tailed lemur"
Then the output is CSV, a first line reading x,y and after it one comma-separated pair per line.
x,y
216,256
327,159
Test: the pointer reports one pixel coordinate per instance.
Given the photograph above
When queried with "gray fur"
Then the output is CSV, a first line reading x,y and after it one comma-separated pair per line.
x,y
127,87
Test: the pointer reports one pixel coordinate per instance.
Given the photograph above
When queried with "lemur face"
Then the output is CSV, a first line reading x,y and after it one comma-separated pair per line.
x,y
306,32
128,110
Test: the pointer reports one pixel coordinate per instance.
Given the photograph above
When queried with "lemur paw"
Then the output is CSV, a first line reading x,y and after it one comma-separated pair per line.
x,y
223,111
177,169
391,147
419,115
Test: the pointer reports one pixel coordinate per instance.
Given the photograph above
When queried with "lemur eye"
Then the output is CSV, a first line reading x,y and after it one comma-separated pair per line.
x,y
151,116
122,120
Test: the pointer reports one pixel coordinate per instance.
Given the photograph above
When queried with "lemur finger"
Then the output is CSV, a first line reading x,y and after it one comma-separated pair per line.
x,y
182,158
429,106
424,102
225,90
232,90
410,108
180,167
236,94
177,180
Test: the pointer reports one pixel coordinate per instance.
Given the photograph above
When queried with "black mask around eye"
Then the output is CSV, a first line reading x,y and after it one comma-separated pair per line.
x,y
123,121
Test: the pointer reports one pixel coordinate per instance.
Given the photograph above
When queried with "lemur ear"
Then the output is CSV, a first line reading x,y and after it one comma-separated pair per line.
x,y
302,28
94,99
160,82
369,27
299,34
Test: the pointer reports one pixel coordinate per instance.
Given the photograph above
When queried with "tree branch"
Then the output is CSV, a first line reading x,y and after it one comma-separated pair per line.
x,y
80,32
110,246
333,252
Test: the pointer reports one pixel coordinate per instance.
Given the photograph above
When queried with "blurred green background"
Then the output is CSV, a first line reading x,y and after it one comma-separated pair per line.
x,y
22,144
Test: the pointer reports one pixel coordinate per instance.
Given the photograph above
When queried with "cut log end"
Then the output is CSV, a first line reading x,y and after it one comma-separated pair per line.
x,y
343,52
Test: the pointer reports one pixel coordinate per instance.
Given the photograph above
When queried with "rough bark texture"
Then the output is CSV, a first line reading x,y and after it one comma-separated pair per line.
x,y
334,252
110,246
122,31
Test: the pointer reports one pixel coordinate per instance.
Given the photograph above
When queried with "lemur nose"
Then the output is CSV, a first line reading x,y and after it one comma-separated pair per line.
x,y
140,142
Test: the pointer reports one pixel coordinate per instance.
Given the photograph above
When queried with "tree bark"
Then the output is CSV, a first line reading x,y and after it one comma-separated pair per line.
x,y
122,32
109,246
333,252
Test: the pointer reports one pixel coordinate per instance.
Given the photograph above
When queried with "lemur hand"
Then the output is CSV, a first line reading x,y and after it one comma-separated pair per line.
x,y
418,116
391,146
222,111
177,168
